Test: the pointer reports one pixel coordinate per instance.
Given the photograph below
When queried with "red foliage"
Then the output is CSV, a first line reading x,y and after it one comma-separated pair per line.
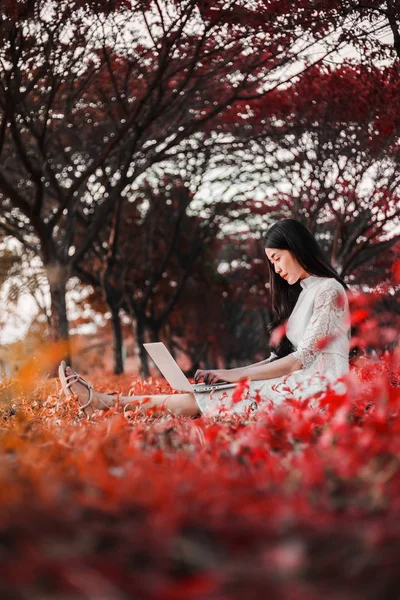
x,y
21,10
324,342
179,508
324,94
396,271
18,11
278,334
241,389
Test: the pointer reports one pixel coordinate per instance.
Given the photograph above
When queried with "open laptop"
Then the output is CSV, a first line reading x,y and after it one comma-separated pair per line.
x,y
173,373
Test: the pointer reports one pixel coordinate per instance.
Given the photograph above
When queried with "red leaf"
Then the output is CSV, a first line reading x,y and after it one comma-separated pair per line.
x,y
241,389
278,334
324,342
396,271
359,315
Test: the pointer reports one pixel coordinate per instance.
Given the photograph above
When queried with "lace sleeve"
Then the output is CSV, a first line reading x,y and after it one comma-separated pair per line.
x,y
328,321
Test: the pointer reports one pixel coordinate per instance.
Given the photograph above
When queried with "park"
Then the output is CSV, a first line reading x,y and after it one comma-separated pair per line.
x,y
148,148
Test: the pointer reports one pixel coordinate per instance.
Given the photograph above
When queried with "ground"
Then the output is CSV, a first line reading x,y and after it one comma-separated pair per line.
x,y
295,503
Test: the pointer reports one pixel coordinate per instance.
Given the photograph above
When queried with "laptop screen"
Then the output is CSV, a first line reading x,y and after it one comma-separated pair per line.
x,y
168,367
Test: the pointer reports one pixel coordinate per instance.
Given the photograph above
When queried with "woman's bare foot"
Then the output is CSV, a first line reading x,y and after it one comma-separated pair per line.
x,y
82,391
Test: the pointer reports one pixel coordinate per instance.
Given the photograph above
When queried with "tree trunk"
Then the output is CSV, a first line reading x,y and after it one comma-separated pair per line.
x,y
57,278
118,348
155,333
140,339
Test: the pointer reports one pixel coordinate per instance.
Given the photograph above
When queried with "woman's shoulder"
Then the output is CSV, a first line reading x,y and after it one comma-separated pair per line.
x,y
331,287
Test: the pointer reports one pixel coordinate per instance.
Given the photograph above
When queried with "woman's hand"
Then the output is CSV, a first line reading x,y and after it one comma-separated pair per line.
x,y
214,375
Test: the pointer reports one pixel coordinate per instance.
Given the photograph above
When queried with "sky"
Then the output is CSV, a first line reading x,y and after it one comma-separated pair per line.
x,y
17,327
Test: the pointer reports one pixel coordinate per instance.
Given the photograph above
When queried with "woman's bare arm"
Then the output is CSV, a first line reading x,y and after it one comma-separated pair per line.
x,y
263,370
269,370
266,361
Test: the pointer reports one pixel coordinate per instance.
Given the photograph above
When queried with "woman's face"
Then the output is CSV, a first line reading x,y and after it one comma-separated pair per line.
x,y
286,265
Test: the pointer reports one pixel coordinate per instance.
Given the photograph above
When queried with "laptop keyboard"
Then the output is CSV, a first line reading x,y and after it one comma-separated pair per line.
x,y
204,387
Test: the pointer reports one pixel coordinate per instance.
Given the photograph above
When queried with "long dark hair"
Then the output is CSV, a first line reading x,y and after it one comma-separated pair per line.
x,y
289,234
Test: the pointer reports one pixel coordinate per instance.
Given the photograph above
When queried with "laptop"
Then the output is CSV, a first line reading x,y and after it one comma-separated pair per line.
x,y
174,374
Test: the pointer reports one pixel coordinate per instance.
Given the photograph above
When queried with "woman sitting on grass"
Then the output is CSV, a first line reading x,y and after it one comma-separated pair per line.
x,y
309,295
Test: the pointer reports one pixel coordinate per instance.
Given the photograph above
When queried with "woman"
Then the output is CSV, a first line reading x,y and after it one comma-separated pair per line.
x,y
309,297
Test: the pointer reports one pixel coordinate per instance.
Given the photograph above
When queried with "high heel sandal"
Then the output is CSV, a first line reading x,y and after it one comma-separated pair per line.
x,y
68,380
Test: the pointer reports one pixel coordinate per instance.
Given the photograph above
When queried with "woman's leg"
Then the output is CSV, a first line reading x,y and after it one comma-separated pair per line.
x,y
177,404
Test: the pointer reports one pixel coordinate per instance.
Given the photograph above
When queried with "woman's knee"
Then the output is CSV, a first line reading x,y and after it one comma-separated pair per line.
x,y
183,404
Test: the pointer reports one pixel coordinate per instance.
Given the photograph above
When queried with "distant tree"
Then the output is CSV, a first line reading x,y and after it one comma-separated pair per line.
x,y
163,244
225,310
22,278
344,170
94,93
81,118
328,154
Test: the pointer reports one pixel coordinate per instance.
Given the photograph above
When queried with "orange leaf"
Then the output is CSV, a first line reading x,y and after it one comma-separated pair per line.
x,y
42,362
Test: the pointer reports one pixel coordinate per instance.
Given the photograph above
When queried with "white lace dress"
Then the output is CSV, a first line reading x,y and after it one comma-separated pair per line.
x,y
318,328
